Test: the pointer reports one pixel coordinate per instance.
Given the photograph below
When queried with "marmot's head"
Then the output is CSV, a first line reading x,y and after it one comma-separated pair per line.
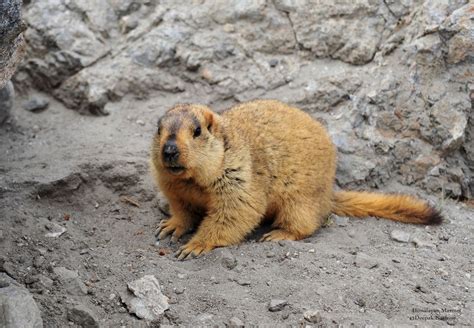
x,y
188,143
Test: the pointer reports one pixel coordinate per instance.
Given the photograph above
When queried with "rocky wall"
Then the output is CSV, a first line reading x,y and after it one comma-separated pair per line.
x,y
392,80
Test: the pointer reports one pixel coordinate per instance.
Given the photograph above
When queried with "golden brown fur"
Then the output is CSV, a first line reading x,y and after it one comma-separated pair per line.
x,y
260,159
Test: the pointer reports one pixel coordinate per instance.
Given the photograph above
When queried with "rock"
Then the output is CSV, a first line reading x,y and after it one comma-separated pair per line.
x,y
312,316
19,309
70,281
400,236
340,220
12,43
235,322
365,261
36,104
327,37
276,305
82,316
42,282
146,300
421,242
6,101
203,320
39,261
55,230
7,267
353,169
448,124
227,259
458,29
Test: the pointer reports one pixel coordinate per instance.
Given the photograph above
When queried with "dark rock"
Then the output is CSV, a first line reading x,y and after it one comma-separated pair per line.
x,y
12,43
273,62
6,101
82,316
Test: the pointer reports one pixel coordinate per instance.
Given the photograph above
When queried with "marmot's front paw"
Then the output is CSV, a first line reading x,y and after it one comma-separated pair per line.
x,y
194,249
172,225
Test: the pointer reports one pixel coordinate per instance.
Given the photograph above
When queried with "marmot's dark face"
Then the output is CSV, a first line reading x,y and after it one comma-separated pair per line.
x,y
185,140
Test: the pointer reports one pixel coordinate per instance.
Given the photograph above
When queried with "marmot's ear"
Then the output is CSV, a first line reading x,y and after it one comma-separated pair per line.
x,y
211,120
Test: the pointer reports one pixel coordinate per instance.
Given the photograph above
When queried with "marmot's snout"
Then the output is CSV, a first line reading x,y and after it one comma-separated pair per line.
x,y
170,155
170,152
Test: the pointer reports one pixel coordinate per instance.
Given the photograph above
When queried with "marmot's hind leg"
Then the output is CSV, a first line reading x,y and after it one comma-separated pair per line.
x,y
295,221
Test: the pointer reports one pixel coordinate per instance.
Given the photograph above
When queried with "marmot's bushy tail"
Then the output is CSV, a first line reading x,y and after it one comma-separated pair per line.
x,y
403,208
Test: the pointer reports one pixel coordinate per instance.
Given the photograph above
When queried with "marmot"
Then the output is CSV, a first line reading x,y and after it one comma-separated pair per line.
x,y
259,159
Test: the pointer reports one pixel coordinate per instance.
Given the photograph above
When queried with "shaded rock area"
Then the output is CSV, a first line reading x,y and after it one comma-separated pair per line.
x,y
392,81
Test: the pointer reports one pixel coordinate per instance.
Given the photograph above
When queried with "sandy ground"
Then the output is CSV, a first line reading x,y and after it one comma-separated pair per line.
x,y
60,168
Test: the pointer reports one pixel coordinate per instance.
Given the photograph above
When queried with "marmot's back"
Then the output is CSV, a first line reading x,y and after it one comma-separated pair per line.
x,y
284,139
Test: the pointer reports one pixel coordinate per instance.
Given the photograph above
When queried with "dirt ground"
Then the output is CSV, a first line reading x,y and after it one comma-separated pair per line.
x,y
59,168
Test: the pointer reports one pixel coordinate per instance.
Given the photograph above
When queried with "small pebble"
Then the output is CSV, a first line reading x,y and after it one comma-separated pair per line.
x,y
277,305
312,316
36,104
235,322
400,236
273,62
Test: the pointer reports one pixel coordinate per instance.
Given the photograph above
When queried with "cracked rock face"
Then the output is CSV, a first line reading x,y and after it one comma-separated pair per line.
x,y
391,80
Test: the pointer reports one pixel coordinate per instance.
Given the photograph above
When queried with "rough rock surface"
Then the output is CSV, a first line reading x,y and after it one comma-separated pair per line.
x,y
392,81
12,43
398,104
147,301
17,307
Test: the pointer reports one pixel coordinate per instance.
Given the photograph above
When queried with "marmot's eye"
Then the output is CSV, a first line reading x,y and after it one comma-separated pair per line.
x,y
197,132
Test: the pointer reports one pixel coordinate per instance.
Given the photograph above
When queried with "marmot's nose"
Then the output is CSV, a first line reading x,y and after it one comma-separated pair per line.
x,y
170,151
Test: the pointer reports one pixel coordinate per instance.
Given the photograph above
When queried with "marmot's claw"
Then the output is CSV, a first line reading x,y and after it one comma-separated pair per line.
x,y
193,250
278,234
170,226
